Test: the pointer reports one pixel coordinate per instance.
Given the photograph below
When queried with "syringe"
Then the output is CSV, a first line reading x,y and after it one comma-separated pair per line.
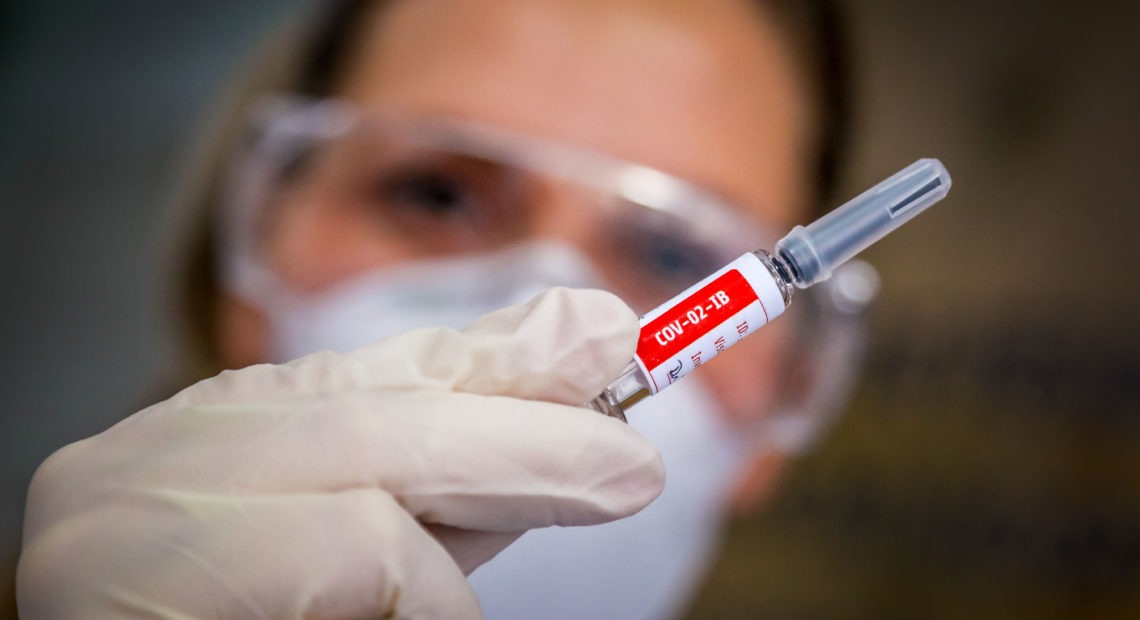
x,y
744,295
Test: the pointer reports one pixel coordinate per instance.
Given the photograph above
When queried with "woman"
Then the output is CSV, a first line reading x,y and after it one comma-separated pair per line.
x,y
433,161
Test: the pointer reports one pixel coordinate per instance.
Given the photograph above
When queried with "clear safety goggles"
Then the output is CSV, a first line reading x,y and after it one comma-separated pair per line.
x,y
442,187
434,188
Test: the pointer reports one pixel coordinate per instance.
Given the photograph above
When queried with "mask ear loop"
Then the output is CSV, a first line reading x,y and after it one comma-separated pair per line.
x,y
824,360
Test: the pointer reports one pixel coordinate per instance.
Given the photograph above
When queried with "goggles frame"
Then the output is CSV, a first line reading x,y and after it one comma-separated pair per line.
x,y
285,128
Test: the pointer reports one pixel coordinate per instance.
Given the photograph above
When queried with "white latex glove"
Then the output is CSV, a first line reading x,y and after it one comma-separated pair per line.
x,y
349,485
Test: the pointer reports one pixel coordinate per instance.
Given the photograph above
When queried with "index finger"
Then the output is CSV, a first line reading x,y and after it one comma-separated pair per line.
x,y
563,346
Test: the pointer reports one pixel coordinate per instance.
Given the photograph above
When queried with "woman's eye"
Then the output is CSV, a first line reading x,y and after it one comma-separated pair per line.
x,y
433,194
663,255
675,261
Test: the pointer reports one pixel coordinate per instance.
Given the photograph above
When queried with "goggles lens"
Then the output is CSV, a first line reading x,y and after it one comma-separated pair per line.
x,y
368,190
410,189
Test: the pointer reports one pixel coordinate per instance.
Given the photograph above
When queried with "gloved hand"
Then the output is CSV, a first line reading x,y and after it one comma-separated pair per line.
x,y
343,485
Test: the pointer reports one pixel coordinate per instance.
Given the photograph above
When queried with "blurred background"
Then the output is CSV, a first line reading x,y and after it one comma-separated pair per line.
x,y
989,465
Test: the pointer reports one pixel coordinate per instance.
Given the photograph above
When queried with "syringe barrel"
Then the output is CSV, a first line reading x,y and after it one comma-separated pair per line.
x,y
813,251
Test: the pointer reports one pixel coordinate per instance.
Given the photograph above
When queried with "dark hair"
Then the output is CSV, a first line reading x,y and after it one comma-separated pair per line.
x,y
311,61
820,38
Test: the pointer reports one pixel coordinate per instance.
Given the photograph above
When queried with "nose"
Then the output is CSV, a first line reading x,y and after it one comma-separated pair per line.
x,y
576,218
568,215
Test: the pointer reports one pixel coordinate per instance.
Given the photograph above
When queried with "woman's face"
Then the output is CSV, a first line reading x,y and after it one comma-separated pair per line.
x,y
705,90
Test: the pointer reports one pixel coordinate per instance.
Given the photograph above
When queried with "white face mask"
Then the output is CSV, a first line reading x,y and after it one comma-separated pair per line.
x,y
449,292
644,566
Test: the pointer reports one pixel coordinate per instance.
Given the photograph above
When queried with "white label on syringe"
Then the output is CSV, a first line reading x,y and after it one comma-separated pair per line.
x,y
705,319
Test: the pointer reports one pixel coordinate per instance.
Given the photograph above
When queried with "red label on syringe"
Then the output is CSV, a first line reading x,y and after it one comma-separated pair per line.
x,y
707,318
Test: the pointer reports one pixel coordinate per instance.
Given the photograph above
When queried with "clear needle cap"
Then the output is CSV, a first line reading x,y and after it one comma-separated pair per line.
x,y
812,251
